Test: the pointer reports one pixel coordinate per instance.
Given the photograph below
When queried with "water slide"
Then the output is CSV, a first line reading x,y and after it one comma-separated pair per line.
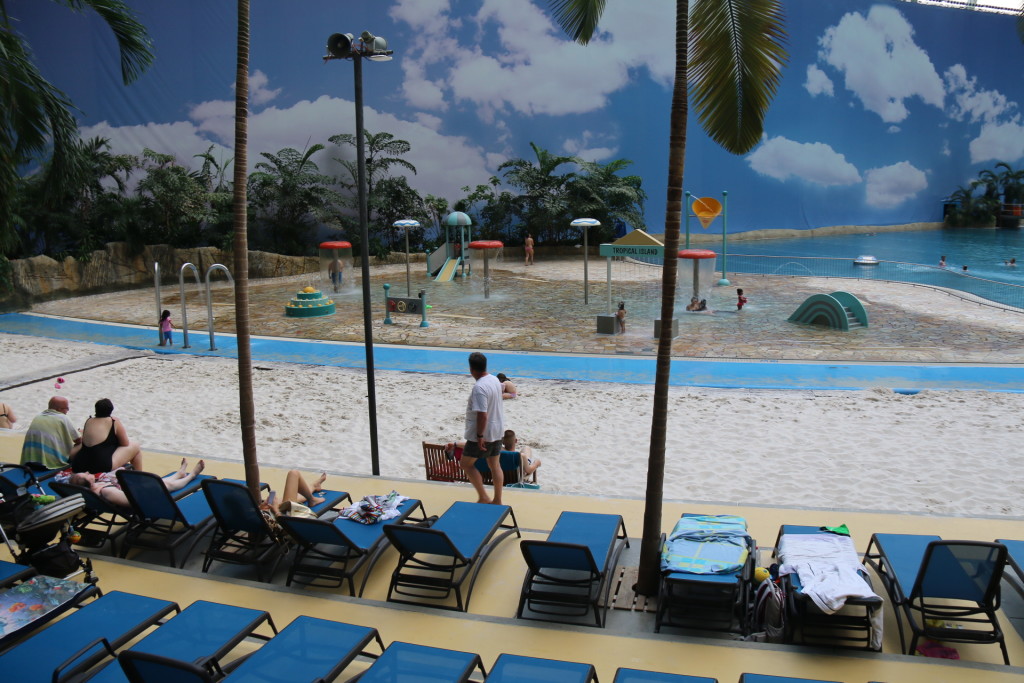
x,y
447,272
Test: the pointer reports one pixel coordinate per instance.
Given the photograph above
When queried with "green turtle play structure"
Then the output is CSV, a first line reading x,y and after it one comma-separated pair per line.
x,y
838,310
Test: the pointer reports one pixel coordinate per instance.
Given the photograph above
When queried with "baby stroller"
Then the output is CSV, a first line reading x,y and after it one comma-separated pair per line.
x,y
35,528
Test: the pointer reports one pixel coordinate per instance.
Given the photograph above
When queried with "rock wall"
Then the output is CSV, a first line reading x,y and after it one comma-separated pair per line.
x,y
115,267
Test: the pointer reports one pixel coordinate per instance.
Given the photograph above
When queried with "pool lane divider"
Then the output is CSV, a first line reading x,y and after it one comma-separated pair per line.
x,y
904,379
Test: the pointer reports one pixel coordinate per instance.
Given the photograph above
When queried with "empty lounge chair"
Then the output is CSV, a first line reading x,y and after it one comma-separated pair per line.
x,y
518,669
408,662
569,573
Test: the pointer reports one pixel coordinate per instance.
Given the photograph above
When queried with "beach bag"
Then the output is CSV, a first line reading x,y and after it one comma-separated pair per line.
x,y
58,560
300,510
768,613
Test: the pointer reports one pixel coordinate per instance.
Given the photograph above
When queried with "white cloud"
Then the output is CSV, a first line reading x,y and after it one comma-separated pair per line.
x,y
998,142
444,163
815,162
818,82
973,104
532,68
584,147
881,63
892,129
890,186
946,151
259,93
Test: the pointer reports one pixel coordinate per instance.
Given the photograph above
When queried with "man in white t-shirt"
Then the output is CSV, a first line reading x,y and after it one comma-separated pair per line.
x,y
485,425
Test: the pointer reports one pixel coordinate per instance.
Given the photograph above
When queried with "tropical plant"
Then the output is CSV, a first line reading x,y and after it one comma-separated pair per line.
x,y
394,200
35,116
213,176
291,198
494,211
1011,184
731,53
971,209
383,150
542,204
175,202
600,192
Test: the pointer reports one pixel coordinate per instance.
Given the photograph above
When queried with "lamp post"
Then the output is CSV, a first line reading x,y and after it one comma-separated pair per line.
x,y
407,224
374,48
583,224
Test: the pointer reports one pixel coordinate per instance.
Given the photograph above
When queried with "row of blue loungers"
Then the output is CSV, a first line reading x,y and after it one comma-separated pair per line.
x,y
198,644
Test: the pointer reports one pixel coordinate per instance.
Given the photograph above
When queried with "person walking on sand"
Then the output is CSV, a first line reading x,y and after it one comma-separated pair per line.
x,y
620,317
485,425
528,249
165,329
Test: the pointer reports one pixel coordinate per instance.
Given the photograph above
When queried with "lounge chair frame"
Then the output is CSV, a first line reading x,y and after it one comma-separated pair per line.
x,y
565,579
325,557
87,635
1015,559
158,521
388,665
963,617
851,627
519,669
431,568
100,521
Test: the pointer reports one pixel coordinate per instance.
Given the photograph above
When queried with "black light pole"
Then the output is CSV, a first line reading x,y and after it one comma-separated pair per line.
x,y
343,46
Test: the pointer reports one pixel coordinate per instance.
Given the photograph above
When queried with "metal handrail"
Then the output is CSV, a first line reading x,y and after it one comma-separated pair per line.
x,y
184,311
209,298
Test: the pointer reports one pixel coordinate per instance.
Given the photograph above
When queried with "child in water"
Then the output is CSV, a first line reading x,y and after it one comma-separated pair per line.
x,y
740,300
165,329
620,317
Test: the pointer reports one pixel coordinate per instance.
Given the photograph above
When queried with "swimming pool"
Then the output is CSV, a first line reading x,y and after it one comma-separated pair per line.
x,y
905,257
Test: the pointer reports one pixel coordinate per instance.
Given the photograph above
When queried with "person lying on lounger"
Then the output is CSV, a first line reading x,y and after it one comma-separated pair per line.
x,y
296,490
106,486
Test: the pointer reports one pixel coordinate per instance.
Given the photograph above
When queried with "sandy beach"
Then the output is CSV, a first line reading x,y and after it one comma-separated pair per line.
x,y
935,452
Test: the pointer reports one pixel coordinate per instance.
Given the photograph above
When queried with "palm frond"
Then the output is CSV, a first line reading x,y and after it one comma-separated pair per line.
x,y
132,39
578,18
735,66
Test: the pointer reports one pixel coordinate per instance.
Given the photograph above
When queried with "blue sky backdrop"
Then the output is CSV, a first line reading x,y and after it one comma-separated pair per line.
x,y
885,107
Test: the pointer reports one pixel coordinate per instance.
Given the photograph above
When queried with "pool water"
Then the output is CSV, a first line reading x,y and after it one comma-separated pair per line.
x,y
983,251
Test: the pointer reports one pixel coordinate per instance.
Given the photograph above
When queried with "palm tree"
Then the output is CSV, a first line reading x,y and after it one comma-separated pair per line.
x,y
246,404
382,152
35,115
542,204
732,54
600,192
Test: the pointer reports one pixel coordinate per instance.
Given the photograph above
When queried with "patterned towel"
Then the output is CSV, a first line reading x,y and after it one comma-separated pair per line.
x,y
706,544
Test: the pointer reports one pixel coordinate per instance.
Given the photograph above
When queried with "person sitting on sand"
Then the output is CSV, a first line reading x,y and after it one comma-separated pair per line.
x,y
508,390
106,486
105,446
693,305
527,463
296,490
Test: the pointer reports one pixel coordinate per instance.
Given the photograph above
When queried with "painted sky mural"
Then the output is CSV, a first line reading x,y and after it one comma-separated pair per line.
x,y
885,107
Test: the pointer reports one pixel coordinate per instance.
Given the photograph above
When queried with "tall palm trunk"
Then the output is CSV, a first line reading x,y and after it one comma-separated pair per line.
x,y
650,570
246,407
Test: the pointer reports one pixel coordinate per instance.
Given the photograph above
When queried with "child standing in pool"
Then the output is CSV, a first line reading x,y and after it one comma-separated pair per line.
x,y
740,300
620,317
165,329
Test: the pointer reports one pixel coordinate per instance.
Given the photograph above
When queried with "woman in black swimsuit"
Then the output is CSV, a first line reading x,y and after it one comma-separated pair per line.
x,y
105,444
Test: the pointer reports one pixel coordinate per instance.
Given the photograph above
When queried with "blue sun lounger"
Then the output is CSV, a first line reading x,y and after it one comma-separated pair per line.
x,y
1015,558
517,669
707,568
946,590
639,676
409,662
854,626
434,562
569,573
36,601
12,572
203,633
241,534
158,521
327,554
308,649
761,678
83,637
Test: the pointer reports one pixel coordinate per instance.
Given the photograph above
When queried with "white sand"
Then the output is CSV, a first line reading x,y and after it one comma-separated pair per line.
x,y
934,452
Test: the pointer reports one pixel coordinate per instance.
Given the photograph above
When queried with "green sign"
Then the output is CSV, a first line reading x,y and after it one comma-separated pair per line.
x,y
636,251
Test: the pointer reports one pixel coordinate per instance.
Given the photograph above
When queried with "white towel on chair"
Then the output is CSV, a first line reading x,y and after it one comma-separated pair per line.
x,y
827,566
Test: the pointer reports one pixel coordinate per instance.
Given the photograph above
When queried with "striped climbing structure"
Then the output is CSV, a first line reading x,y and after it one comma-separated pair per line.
x,y
838,310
